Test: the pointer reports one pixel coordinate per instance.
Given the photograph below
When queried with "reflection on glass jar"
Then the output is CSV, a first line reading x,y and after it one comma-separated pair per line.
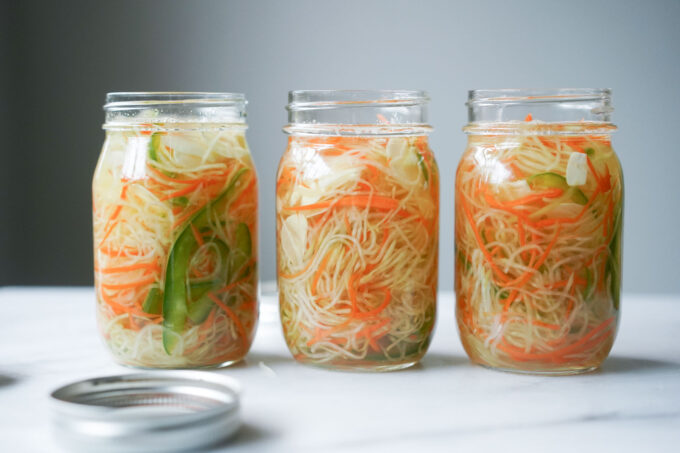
x,y
539,207
175,230
357,204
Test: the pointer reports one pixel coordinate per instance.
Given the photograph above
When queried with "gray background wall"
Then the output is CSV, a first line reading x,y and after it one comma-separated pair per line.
x,y
60,58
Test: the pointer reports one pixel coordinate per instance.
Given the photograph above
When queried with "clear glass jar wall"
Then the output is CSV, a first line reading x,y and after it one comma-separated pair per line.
x,y
357,204
539,208
175,230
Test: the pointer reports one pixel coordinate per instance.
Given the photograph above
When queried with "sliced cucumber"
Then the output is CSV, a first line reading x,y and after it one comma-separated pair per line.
x,y
423,167
550,180
154,146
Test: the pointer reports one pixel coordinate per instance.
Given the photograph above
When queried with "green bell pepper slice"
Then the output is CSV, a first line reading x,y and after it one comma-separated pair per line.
x,y
153,304
175,294
200,308
243,248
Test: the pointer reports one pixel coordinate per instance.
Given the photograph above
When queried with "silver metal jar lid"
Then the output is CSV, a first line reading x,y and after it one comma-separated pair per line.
x,y
160,411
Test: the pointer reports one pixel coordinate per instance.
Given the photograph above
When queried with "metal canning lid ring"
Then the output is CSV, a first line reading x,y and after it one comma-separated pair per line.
x,y
161,411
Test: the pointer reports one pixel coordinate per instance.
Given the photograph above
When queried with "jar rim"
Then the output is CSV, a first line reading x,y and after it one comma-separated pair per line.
x,y
328,99
128,99
506,96
127,108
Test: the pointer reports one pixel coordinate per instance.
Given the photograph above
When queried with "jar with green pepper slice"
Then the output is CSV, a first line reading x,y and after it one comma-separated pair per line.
x,y
175,230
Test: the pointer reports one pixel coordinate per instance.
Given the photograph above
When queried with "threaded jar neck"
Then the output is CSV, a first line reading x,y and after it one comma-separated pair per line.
x,y
357,112
174,108
560,110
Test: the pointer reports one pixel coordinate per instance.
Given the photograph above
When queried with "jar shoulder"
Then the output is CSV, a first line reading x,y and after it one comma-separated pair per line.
x,y
130,154
506,160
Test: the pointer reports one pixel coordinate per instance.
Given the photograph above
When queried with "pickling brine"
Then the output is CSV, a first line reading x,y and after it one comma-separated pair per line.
x,y
539,209
175,232
357,238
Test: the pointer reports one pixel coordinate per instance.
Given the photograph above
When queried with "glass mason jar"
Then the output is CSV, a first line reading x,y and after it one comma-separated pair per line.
x,y
357,203
539,208
175,230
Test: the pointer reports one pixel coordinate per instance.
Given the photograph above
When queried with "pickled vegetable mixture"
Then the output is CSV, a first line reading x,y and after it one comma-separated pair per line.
x,y
175,246
357,231
538,244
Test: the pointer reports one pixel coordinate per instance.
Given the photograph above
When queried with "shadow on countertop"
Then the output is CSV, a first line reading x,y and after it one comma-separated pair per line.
x,y
247,434
7,380
436,360
617,364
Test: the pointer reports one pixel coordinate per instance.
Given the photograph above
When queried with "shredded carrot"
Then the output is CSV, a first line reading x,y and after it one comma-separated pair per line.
x,y
519,174
545,324
376,311
369,331
528,117
321,334
132,267
373,172
562,283
521,280
519,354
350,292
249,305
496,204
348,227
181,192
246,191
575,143
197,235
111,223
524,278
131,285
522,237
548,143
332,152
362,201
187,215
480,242
132,251
531,198
237,322
110,228
120,308
191,181
554,220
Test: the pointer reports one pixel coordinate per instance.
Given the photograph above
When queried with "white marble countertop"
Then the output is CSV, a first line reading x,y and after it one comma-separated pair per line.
x,y
49,338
